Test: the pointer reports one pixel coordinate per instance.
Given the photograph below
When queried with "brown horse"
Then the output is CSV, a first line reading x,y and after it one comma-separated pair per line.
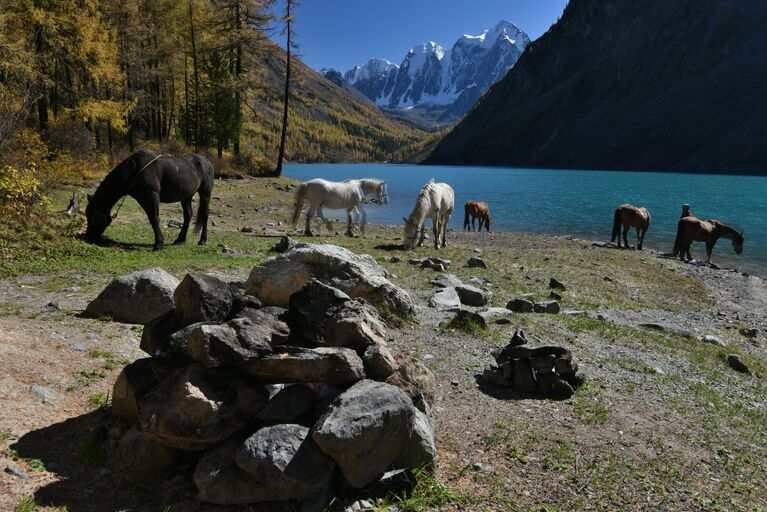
x,y
631,217
476,210
692,229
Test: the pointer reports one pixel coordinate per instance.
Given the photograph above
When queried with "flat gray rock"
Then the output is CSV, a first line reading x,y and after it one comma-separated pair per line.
x,y
446,281
445,298
331,365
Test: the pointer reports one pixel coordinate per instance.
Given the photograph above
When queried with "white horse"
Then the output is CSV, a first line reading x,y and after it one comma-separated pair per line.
x,y
436,200
348,195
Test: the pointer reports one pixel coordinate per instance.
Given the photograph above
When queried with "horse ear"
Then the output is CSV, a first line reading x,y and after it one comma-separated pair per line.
x,y
406,221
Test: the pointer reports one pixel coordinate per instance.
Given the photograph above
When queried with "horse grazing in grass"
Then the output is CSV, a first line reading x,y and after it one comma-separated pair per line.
x,y
348,195
476,210
436,200
692,229
152,179
630,216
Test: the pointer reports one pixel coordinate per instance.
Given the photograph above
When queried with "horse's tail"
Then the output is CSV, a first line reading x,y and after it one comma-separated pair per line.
x,y
678,240
206,190
616,225
300,194
467,211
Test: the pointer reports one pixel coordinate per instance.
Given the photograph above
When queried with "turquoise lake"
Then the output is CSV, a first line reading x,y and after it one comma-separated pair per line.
x,y
577,203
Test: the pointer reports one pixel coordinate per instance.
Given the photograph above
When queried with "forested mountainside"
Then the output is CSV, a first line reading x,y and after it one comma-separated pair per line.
x,y
327,123
629,85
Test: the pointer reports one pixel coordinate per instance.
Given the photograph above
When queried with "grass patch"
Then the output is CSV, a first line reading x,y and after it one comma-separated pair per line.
x,y
428,493
28,504
588,407
7,435
98,401
468,324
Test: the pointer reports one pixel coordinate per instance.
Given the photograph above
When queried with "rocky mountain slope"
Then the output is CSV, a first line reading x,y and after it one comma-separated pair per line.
x,y
638,85
440,84
327,123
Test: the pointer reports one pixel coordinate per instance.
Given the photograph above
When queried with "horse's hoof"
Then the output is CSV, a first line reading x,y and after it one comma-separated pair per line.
x,y
179,242
158,248
202,242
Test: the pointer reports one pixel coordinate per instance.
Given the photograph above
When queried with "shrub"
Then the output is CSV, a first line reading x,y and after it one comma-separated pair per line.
x,y
20,193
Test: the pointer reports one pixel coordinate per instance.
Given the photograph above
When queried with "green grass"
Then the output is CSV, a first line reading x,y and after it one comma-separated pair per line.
x,y
28,504
98,401
428,493
589,408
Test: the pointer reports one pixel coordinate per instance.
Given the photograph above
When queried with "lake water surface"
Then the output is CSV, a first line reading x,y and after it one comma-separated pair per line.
x,y
578,203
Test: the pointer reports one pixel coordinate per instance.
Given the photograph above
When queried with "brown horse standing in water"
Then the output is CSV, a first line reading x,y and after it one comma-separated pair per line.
x,y
631,217
692,229
476,210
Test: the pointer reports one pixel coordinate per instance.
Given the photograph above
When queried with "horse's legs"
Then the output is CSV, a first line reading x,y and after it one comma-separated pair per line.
x,y
640,237
349,231
423,235
709,250
625,235
473,226
435,227
363,219
203,210
309,214
321,215
186,206
152,208
443,228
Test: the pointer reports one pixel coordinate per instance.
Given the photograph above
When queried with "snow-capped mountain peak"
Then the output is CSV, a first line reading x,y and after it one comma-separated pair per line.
x,y
433,76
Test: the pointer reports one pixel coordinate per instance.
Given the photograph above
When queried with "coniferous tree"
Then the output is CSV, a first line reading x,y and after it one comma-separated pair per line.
x,y
290,6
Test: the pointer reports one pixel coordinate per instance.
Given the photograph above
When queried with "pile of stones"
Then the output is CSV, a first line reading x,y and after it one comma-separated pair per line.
x,y
296,404
547,371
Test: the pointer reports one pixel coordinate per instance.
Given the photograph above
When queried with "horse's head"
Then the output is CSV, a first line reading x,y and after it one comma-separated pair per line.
x,y
411,233
737,242
98,220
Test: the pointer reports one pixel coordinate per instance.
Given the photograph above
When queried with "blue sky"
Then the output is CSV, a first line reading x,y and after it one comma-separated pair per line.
x,y
343,33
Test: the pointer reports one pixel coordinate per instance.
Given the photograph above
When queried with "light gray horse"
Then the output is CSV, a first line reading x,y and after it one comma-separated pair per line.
x,y
436,200
348,195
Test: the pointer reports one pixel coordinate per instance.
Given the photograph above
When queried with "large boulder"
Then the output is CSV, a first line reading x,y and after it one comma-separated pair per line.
x,y
330,365
221,481
232,343
366,429
446,281
134,381
275,280
355,324
140,452
415,379
197,407
308,309
154,338
289,404
136,298
285,460
202,298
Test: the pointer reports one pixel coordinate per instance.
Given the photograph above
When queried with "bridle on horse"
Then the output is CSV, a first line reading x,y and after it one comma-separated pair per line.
x,y
133,181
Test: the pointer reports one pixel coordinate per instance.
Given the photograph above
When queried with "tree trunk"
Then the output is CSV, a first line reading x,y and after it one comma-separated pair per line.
x,y
281,154
186,103
196,83
238,74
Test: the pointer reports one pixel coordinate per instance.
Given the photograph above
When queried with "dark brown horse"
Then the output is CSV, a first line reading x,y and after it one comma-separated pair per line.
x,y
476,210
692,229
152,179
630,216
